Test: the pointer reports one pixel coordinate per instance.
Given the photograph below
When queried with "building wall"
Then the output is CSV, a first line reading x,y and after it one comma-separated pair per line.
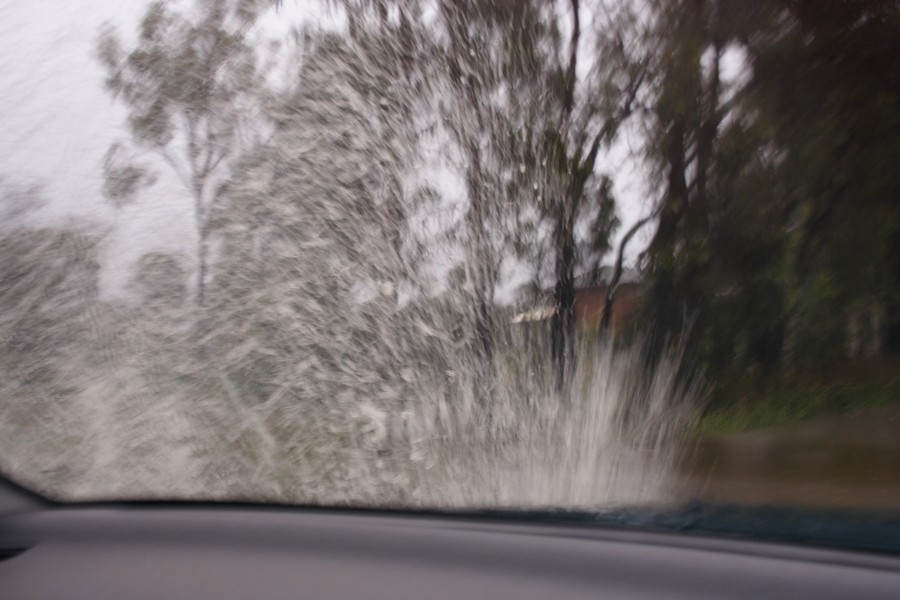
x,y
589,303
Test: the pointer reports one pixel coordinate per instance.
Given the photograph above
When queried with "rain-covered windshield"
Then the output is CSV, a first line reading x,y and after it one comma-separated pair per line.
x,y
388,253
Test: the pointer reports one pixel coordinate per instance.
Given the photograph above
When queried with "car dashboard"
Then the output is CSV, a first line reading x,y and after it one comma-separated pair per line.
x,y
134,551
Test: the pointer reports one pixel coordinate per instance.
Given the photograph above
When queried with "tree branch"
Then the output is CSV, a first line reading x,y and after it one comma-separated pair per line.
x,y
613,122
617,271
184,177
569,98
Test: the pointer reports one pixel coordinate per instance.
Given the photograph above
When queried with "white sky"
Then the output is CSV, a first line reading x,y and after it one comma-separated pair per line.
x,y
57,121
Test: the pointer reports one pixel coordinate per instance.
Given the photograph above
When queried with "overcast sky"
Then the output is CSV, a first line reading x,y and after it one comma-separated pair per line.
x,y
57,121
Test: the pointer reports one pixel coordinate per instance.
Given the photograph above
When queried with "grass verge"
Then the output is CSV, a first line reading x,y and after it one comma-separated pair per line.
x,y
742,402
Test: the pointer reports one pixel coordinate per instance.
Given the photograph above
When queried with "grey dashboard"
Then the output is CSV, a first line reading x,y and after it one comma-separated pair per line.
x,y
159,551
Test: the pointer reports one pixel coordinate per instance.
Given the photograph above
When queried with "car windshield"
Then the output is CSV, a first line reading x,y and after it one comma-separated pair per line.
x,y
582,255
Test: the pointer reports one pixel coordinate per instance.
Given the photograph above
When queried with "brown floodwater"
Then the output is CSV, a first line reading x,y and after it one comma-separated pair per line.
x,y
837,461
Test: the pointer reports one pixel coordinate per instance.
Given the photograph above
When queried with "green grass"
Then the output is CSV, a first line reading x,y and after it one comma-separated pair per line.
x,y
745,402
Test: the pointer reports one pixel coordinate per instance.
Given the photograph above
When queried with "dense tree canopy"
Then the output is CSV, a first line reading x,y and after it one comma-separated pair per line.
x,y
779,215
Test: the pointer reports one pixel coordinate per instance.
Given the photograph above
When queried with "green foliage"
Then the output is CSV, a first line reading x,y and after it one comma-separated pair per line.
x,y
747,402
190,85
779,219
182,74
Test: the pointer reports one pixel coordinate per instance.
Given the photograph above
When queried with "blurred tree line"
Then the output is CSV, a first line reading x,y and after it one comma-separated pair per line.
x,y
777,242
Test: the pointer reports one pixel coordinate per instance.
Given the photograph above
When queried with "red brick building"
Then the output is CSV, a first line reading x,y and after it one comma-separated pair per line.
x,y
590,300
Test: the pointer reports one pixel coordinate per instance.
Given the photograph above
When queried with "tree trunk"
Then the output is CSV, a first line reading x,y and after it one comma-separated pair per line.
x,y
202,251
617,275
198,185
483,284
563,324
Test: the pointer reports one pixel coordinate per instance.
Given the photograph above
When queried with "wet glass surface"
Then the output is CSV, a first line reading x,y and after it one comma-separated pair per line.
x,y
585,255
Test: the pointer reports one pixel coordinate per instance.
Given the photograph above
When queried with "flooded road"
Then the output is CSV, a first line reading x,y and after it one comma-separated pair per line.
x,y
836,461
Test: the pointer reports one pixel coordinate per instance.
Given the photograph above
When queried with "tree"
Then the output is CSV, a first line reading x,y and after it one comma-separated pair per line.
x,y
48,293
532,129
494,105
765,187
530,109
189,85
316,290
591,112
825,80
